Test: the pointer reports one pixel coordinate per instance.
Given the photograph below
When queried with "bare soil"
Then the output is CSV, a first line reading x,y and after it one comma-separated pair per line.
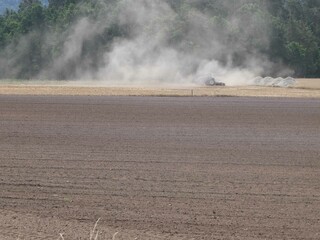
x,y
159,167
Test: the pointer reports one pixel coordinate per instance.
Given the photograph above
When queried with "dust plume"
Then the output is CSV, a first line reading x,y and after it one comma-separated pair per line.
x,y
164,43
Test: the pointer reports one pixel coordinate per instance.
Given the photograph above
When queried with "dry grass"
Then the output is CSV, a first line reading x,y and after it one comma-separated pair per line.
x,y
308,83
307,88
94,233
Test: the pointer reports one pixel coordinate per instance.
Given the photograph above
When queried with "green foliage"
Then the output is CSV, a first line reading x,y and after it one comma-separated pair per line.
x,y
283,30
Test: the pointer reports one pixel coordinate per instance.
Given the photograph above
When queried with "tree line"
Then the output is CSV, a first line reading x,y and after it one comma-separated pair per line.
x,y
286,31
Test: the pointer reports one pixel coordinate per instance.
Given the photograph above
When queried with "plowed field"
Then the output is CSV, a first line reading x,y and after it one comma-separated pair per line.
x,y
159,167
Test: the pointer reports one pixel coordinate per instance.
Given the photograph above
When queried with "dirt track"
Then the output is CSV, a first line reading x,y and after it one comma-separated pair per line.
x,y
159,168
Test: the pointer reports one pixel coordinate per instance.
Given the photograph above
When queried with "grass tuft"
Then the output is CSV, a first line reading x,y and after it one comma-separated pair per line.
x,y
94,233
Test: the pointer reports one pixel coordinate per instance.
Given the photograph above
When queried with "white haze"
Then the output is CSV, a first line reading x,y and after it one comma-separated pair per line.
x,y
147,58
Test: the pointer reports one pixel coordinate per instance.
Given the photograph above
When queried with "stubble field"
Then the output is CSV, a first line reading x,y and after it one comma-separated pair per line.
x,y
304,88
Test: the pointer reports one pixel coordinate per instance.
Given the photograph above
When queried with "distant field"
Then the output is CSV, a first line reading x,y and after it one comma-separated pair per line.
x,y
308,88
311,83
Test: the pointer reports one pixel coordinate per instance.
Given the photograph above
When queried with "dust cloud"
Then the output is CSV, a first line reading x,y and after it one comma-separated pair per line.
x,y
163,45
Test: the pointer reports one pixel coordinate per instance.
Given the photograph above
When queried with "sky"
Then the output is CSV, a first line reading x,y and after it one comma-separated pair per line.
x,y
12,4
